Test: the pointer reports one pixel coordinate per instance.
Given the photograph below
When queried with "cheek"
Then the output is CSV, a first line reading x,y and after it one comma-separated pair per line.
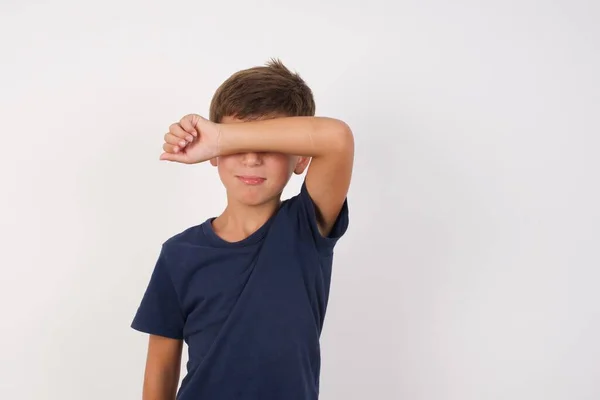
x,y
226,163
226,168
281,165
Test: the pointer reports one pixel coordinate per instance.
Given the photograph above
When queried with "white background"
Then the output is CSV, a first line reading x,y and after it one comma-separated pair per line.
x,y
471,267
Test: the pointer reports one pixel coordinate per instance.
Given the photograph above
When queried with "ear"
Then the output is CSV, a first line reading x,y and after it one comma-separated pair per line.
x,y
214,161
301,165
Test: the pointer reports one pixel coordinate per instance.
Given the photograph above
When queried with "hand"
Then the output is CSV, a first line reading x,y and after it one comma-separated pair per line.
x,y
193,139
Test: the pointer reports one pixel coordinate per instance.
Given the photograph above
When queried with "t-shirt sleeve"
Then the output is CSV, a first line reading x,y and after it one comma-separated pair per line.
x,y
159,312
307,221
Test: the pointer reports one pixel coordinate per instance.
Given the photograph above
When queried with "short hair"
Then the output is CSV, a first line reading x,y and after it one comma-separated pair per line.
x,y
265,91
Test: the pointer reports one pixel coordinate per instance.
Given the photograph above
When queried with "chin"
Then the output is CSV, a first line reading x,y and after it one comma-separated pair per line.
x,y
254,198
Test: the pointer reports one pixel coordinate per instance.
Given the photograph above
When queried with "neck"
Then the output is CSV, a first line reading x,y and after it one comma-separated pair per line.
x,y
239,221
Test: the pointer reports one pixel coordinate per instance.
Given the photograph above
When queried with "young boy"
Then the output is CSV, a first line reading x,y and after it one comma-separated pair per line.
x,y
248,290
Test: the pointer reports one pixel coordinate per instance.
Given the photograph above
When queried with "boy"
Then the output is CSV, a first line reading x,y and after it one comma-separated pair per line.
x,y
248,290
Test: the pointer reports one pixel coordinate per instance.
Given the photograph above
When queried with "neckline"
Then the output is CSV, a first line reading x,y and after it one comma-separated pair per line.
x,y
254,238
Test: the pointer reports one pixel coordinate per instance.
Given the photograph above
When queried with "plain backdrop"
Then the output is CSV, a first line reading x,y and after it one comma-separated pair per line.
x,y
470,270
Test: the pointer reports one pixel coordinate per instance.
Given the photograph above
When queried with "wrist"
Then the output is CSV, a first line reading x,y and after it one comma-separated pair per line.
x,y
224,142
218,150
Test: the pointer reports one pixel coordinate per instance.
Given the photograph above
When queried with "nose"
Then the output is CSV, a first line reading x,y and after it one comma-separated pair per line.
x,y
251,159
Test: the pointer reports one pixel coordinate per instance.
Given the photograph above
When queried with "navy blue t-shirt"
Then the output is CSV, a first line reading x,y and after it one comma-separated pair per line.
x,y
251,311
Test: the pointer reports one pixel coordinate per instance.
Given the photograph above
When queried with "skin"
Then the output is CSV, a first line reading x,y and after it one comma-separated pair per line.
x,y
243,151
163,364
250,205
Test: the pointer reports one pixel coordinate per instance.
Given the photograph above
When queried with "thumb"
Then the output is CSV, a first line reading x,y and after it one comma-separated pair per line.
x,y
177,157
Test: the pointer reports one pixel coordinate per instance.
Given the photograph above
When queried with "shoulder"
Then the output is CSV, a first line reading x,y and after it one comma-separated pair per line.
x,y
300,214
178,249
193,235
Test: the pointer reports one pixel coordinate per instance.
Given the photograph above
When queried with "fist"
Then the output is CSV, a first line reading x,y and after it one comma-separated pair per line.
x,y
193,139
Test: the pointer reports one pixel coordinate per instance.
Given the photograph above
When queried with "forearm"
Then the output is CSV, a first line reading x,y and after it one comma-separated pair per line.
x,y
160,384
301,136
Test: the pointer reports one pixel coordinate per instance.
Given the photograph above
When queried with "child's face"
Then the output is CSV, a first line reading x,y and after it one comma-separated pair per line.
x,y
257,178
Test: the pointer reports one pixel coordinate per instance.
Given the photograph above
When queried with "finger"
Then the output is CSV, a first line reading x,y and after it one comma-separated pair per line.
x,y
188,125
178,131
169,148
174,140
181,158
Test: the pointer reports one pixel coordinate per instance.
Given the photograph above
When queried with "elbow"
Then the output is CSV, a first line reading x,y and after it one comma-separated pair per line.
x,y
344,139
333,137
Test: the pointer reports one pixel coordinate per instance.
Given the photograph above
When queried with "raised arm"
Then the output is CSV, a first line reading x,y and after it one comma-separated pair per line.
x,y
329,142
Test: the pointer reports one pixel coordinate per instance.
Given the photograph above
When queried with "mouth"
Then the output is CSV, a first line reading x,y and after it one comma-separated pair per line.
x,y
251,180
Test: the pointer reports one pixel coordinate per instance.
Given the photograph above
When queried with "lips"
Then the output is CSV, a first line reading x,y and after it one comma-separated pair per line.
x,y
251,180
